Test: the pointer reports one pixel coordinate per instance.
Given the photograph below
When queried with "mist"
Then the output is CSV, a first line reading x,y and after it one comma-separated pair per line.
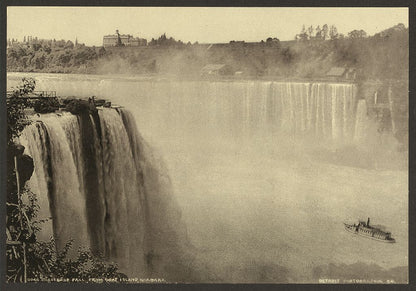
x,y
260,203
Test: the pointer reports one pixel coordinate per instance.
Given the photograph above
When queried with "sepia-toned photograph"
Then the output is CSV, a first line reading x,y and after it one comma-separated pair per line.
x,y
207,145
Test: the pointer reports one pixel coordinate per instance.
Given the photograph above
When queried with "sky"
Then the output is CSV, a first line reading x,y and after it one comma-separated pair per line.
x,y
205,25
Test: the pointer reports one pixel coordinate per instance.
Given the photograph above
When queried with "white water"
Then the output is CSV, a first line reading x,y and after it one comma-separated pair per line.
x,y
230,109
110,201
252,191
68,203
34,141
124,225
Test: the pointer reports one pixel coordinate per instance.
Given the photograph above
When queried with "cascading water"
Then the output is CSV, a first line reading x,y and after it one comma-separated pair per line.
x,y
36,141
314,109
361,121
246,200
325,112
104,189
322,111
65,191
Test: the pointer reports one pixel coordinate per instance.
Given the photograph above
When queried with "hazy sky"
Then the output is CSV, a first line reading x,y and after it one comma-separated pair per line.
x,y
204,25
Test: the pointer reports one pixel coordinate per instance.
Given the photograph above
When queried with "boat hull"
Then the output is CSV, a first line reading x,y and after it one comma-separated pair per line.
x,y
350,228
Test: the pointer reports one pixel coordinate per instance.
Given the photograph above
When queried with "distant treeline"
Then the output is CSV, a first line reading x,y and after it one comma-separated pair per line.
x,y
51,56
313,53
328,32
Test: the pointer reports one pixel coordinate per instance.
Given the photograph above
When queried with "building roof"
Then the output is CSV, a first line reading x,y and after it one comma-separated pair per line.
x,y
336,71
115,35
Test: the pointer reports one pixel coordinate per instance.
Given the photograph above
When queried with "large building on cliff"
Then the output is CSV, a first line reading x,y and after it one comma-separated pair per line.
x,y
125,40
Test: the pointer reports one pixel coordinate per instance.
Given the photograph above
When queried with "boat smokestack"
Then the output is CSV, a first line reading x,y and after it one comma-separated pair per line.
x,y
368,221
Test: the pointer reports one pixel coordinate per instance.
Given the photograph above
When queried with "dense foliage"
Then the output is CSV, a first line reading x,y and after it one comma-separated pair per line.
x,y
366,54
314,52
46,105
163,40
16,118
51,56
43,261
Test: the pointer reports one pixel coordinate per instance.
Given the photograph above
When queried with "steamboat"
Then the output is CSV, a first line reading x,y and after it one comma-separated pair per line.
x,y
372,232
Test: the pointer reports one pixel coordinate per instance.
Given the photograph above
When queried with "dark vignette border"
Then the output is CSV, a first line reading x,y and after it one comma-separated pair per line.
x,y
411,4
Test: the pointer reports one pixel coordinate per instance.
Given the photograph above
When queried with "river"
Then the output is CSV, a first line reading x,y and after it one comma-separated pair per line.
x,y
261,200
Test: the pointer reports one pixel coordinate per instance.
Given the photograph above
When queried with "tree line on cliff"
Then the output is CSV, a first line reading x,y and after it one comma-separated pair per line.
x,y
51,56
313,52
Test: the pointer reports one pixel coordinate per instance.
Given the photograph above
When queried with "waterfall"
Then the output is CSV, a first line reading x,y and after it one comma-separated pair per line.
x,y
324,112
65,190
105,189
124,218
361,122
35,140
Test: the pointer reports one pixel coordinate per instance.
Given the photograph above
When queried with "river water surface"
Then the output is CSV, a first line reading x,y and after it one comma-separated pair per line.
x,y
259,201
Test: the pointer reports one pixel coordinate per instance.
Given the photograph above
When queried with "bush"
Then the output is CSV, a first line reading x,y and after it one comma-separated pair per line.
x,y
54,266
43,261
16,118
46,105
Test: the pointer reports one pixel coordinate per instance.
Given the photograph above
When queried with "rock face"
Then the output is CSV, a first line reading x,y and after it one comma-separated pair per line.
x,y
25,165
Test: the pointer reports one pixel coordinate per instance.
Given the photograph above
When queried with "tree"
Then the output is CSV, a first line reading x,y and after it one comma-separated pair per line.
x,y
303,31
46,105
47,48
325,32
60,43
333,32
69,45
355,34
64,57
318,34
163,40
16,117
101,51
17,231
36,46
303,34
310,32
272,42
